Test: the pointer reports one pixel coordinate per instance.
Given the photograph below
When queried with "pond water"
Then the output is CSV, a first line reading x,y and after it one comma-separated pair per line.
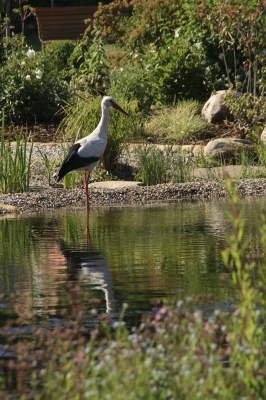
x,y
132,254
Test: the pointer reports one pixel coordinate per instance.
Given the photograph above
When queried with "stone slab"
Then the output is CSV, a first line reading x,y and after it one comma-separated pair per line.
x,y
233,171
114,184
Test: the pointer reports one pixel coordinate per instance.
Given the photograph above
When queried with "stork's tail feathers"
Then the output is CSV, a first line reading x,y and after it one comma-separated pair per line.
x,y
56,176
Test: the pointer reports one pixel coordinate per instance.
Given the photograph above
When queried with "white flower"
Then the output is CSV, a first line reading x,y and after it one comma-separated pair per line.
x,y
31,53
57,98
207,70
197,45
23,63
27,77
221,56
177,33
39,74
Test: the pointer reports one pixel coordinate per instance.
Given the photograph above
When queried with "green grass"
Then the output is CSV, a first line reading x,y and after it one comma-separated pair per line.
x,y
111,48
34,42
180,124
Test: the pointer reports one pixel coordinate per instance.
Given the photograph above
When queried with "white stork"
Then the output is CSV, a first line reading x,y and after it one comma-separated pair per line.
x,y
86,152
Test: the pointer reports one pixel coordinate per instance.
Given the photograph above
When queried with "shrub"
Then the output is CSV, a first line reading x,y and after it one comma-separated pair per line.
x,y
78,54
31,88
239,30
249,112
132,82
90,66
168,41
59,53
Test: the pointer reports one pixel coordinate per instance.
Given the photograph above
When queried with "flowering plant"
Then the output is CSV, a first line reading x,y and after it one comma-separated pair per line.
x,y
30,87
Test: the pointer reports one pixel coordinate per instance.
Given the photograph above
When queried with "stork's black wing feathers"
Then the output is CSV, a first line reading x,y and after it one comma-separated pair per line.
x,y
73,161
71,152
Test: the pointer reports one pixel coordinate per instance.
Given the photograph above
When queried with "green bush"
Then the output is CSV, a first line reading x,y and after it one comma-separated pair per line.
x,y
78,55
168,42
248,110
59,53
30,87
131,81
89,66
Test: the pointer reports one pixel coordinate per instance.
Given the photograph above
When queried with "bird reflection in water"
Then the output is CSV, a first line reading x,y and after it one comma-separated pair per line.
x,y
92,265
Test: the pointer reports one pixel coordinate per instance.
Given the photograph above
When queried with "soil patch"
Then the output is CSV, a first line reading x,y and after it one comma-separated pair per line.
x,y
49,131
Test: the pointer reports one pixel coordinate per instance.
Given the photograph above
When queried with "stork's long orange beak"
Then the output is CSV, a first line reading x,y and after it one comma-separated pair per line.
x,y
117,107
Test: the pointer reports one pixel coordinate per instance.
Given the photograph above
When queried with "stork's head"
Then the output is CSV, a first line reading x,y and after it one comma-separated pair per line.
x,y
110,102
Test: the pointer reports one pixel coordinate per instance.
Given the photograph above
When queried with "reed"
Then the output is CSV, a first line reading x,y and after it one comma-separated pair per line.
x,y
48,164
15,165
162,166
180,166
152,165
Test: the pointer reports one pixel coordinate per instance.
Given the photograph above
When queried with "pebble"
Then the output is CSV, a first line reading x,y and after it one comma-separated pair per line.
x,y
43,197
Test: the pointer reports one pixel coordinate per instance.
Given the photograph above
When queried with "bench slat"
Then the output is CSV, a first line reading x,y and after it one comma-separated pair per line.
x,y
64,23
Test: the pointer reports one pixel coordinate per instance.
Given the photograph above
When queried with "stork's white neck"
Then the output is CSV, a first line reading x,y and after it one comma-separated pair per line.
x,y
103,124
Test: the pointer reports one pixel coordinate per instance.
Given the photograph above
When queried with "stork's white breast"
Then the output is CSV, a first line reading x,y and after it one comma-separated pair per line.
x,y
92,147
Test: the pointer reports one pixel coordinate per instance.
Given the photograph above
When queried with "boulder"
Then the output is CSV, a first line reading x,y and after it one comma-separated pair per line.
x,y
214,111
228,149
263,136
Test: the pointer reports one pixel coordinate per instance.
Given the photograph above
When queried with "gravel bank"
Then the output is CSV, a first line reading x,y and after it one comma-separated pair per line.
x,y
54,198
43,197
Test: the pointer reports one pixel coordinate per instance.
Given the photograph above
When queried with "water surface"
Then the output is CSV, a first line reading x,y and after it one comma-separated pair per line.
x,y
133,255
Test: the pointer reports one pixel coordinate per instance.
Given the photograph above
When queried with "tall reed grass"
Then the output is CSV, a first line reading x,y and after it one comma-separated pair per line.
x,y
163,165
15,163
151,165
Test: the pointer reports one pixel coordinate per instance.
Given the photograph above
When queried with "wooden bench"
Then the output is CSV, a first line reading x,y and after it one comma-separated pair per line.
x,y
62,23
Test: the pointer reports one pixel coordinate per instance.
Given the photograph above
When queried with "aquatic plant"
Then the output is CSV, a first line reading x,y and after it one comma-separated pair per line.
x,y
15,164
163,165
48,164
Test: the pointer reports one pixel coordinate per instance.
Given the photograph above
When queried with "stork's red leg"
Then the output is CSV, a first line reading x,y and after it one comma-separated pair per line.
x,y
86,181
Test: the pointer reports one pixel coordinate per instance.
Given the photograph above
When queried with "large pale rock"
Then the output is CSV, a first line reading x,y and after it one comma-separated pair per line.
x,y
214,111
263,136
228,148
